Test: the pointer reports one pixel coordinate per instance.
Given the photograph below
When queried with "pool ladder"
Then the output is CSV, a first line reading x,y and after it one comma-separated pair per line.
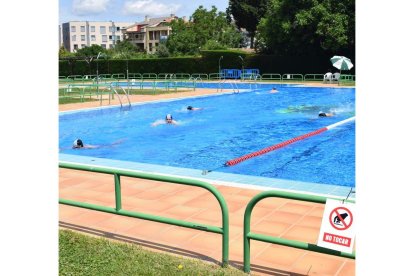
x,y
233,85
125,94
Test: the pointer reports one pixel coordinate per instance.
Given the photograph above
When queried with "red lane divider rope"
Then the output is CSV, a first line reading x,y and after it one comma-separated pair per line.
x,y
274,147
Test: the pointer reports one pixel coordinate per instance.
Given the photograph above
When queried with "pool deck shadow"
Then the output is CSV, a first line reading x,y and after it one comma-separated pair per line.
x,y
277,217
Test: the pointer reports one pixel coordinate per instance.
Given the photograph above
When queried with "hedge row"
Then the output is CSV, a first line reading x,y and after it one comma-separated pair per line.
x,y
207,63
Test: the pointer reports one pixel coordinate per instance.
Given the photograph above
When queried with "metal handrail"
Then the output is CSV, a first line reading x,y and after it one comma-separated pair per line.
x,y
292,77
313,77
119,97
271,77
247,235
224,230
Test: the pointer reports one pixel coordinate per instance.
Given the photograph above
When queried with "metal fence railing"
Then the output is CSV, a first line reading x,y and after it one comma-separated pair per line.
x,y
118,173
249,235
345,78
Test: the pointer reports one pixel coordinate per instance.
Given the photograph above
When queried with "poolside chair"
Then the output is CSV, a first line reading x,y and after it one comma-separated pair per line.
x,y
327,77
336,76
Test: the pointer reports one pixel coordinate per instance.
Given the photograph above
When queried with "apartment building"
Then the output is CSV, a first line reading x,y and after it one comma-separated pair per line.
x,y
146,35
79,34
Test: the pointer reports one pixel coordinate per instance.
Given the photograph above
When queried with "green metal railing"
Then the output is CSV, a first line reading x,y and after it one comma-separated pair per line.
x,y
224,230
345,78
203,76
271,77
200,75
182,76
118,76
136,76
313,77
248,235
293,77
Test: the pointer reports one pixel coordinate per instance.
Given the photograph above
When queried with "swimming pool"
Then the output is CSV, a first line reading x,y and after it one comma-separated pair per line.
x,y
228,126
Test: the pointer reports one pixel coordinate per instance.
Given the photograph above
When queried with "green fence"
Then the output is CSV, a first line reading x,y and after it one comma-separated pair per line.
x,y
271,77
149,76
87,90
248,235
313,77
292,77
117,173
118,76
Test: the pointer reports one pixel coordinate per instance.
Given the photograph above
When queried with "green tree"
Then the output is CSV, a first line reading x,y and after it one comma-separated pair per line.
x,y
162,50
90,51
64,53
308,26
247,14
204,27
123,50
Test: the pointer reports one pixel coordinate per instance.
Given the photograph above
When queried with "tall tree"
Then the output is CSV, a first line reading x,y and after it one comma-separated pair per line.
x,y
206,29
89,51
247,14
309,26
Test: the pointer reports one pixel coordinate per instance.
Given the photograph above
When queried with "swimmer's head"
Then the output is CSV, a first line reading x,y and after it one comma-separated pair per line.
x,y
77,144
168,118
322,114
189,107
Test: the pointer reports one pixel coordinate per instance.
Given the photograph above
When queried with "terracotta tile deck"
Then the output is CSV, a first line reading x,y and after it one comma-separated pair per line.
x,y
272,216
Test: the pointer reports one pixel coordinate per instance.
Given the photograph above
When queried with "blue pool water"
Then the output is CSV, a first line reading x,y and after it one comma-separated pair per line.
x,y
227,127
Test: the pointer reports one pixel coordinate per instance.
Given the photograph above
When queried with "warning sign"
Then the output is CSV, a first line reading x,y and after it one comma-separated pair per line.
x,y
337,231
341,218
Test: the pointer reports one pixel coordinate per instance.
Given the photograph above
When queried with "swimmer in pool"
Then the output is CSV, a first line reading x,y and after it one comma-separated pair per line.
x,y
78,144
191,108
325,114
168,120
274,90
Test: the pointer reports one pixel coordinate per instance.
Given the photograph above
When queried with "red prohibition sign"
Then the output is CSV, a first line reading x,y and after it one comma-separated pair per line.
x,y
335,215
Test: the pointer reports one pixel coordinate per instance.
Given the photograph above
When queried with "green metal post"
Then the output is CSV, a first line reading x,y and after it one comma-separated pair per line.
x,y
118,202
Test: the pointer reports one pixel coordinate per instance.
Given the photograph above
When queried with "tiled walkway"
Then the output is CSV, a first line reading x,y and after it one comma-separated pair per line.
x,y
276,217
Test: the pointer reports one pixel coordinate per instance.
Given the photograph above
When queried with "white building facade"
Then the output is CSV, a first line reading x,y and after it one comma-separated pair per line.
x,y
79,34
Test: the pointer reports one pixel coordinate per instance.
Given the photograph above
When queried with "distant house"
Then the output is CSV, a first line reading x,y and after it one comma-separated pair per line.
x,y
79,34
146,35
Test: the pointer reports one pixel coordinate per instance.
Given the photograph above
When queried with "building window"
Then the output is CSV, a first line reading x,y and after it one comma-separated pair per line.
x,y
73,29
111,46
73,37
75,46
82,37
104,38
83,45
93,38
92,29
102,30
118,37
118,28
103,46
82,29
110,37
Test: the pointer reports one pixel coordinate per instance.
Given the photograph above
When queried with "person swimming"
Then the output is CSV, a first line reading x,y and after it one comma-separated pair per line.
x,y
168,120
192,108
274,90
324,114
78,144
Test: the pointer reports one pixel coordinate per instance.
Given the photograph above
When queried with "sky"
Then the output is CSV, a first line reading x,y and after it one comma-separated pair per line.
x,y
130,10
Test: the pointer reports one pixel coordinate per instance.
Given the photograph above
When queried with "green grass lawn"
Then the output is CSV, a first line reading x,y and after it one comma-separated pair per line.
x,y
91,95
84,255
